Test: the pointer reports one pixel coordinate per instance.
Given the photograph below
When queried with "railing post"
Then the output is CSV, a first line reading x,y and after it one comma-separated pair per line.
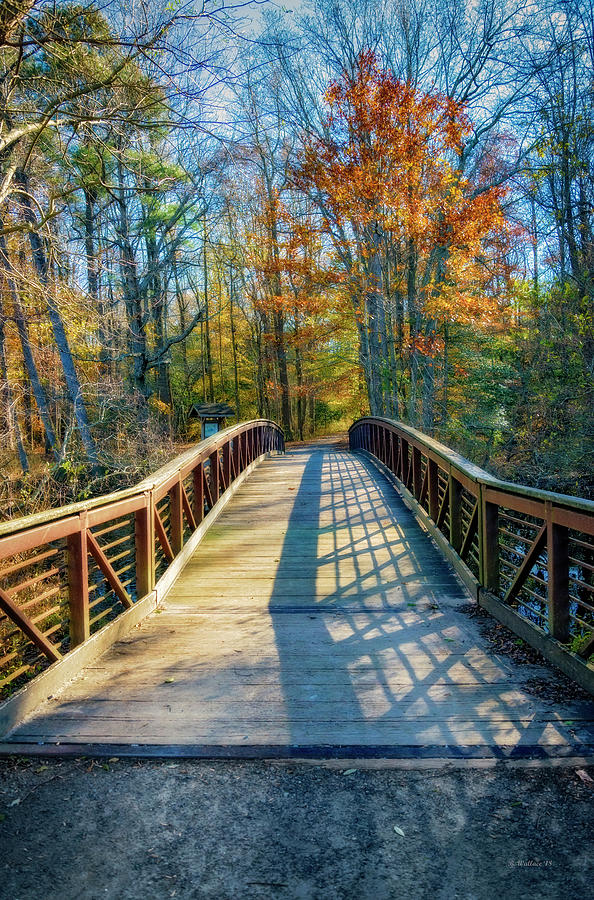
x,y
489,543
226,466
455,498
144,538
78,583
403,461
237,454
176,517
557,576
433,489
198,479
416,465
214,475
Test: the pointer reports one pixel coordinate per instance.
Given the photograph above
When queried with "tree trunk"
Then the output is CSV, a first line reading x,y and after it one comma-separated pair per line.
x,y
132,299
28,359
411,290
234,344
376,322
299,379
8,402
59,332
283,374
93,280
207,324
157,309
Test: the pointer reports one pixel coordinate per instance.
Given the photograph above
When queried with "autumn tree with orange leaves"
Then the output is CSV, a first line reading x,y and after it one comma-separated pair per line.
x,y
418,245
289,293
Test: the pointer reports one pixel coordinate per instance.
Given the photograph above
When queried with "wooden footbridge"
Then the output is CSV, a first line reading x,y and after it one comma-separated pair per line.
x,y
250,601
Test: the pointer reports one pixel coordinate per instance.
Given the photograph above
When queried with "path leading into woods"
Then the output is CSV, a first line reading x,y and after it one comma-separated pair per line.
x,y
315,614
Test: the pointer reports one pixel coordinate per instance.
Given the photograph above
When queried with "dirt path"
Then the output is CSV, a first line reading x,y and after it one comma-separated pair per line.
x,y
126,829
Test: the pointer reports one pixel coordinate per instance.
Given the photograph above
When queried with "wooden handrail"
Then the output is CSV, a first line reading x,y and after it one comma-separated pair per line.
x,y
526,554
448,457
65,572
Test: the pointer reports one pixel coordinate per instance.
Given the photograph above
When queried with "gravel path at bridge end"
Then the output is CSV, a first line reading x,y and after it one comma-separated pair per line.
x,y
81,829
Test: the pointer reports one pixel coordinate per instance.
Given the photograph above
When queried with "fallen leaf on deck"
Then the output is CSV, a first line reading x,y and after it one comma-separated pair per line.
x,y
583,776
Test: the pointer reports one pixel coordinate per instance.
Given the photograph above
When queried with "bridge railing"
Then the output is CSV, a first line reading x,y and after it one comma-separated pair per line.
x,y
66,573
527,554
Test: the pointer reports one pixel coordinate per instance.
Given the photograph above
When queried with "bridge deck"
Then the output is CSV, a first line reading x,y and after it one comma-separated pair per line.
x,y
315,612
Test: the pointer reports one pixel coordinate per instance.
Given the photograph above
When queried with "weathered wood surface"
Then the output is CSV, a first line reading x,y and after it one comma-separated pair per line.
x,y
314,613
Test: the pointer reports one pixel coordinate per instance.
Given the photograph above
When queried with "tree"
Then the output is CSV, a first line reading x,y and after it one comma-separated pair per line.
x,y
411,233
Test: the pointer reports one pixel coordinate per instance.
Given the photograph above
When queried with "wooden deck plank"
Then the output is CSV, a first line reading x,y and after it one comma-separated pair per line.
x,y
315,612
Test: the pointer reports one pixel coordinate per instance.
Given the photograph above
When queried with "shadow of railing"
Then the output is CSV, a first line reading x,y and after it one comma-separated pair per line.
x,y
369,652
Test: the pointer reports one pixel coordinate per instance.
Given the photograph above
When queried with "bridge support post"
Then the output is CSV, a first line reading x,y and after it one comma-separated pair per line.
x,y
198,478
226,466
489,544
455,498
177,517
404,462
144,528
433,489
416,465
78,584
557,577
214,475
236,456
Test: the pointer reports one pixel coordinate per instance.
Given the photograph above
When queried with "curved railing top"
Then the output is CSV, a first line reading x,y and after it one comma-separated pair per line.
x,y
160,480
448,457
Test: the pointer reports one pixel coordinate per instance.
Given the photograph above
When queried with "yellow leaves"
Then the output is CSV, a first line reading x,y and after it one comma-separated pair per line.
x,y
159,406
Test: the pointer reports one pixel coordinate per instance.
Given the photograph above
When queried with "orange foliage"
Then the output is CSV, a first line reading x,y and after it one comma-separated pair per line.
x,y
389,176
283,249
